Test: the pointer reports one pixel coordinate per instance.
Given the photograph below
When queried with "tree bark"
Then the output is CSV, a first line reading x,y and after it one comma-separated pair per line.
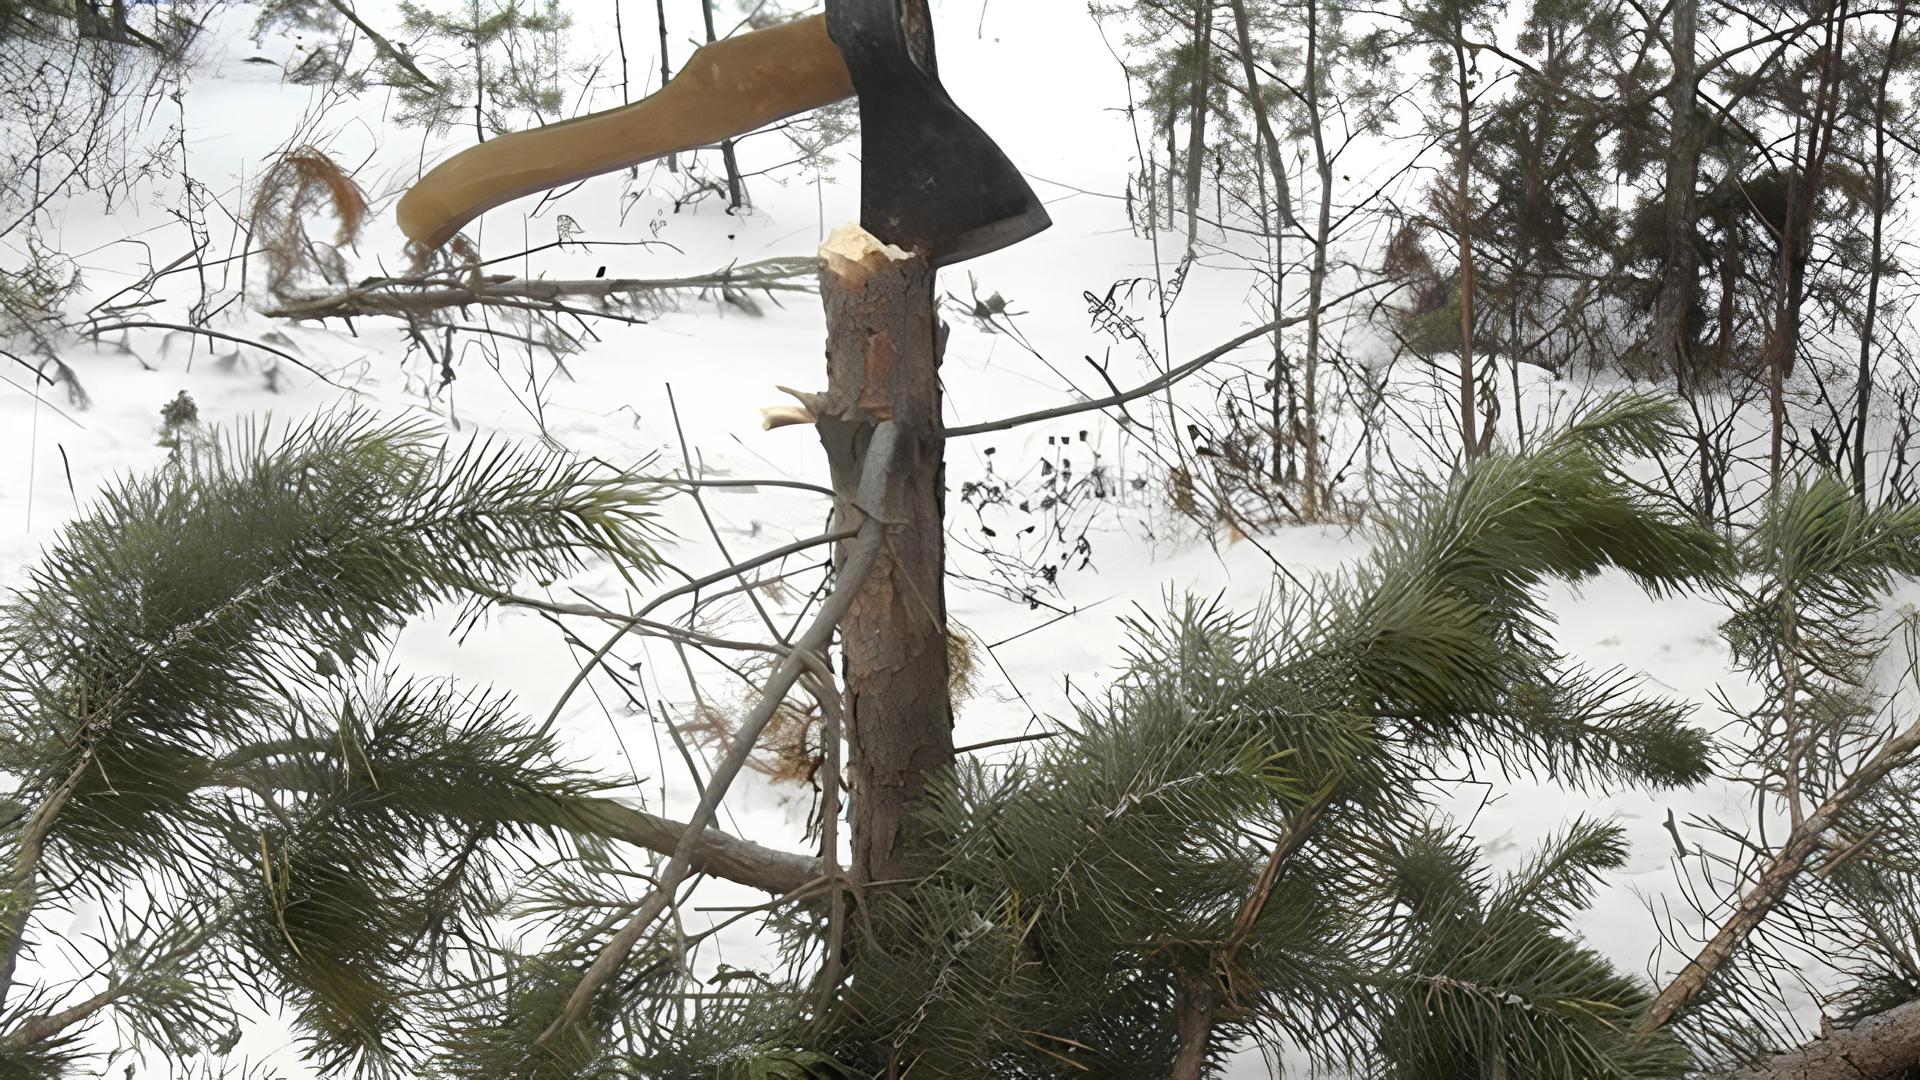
x,y
1680,271
1804,186
1863,392
1196,997
736,193
1197,111
1470,441
1310,479
1879,1048
884,344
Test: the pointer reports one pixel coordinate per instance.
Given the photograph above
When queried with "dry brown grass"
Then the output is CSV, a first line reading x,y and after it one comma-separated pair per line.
x,y
299,185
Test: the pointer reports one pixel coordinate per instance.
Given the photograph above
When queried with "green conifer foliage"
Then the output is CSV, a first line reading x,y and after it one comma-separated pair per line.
x,y
203,744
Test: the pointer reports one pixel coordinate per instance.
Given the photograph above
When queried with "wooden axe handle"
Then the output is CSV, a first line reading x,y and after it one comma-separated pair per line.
x,y
727,88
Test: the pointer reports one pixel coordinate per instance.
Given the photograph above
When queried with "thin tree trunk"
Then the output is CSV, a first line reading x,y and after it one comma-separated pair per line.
x,y
666,71
1283,204
620,37
1730,263
1173,166
736,196
1864,391
1469,398
1679,276
883,363
1197,112
1796,241
1316,277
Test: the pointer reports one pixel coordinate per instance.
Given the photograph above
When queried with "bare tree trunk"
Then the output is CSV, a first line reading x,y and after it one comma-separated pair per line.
x,y
1283,204
1316,277
620,38
1173,166
1730,265
1796,240
1679,276
1196,997
666,71
1463,164
736,195
883,363
1197,112
1864,391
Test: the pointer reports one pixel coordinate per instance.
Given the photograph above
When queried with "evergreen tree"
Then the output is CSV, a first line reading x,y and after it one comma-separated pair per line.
x,y
202,743
1240,838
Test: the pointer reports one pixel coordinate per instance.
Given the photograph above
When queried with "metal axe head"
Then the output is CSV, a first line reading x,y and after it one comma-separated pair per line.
x,y
931,181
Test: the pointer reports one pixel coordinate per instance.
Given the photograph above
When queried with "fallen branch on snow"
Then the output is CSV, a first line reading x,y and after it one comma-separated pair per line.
x,y
412,297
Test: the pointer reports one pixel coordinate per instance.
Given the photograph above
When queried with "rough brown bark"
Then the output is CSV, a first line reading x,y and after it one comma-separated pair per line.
x,y
883,363
1879,1048
1196,998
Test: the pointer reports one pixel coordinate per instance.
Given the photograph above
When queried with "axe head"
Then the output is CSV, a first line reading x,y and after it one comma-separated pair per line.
x,y
931,181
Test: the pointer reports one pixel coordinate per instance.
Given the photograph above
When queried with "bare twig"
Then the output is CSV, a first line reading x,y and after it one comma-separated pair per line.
x,y
864,552
1152,386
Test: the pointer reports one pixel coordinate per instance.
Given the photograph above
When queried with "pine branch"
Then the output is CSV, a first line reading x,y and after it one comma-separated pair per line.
x,y
717,854
1774,881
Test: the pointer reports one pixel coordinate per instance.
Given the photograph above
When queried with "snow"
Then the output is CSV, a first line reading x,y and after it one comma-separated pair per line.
x,y
1040,77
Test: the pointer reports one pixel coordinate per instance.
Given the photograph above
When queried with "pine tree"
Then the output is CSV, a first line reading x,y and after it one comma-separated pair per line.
x,y
1240,838
203,743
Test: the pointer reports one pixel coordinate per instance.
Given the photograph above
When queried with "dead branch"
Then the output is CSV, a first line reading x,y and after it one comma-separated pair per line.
x,y
412,297
1155,385
864,552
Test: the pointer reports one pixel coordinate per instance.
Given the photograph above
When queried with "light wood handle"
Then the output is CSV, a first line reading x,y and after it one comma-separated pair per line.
x,y
727,88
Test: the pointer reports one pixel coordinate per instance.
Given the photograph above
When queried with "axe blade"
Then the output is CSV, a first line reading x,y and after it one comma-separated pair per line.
x,y
931,180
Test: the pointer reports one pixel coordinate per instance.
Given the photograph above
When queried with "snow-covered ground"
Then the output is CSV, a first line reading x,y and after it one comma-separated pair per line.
x,y
1037,74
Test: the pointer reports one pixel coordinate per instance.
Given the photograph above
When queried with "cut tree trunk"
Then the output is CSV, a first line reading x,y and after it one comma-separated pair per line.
x,y
884,343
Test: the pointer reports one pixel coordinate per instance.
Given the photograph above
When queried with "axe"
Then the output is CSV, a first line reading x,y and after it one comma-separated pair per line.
x,y
932,182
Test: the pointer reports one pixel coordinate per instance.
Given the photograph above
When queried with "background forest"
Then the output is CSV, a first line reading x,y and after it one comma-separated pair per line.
x,y
1418,581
